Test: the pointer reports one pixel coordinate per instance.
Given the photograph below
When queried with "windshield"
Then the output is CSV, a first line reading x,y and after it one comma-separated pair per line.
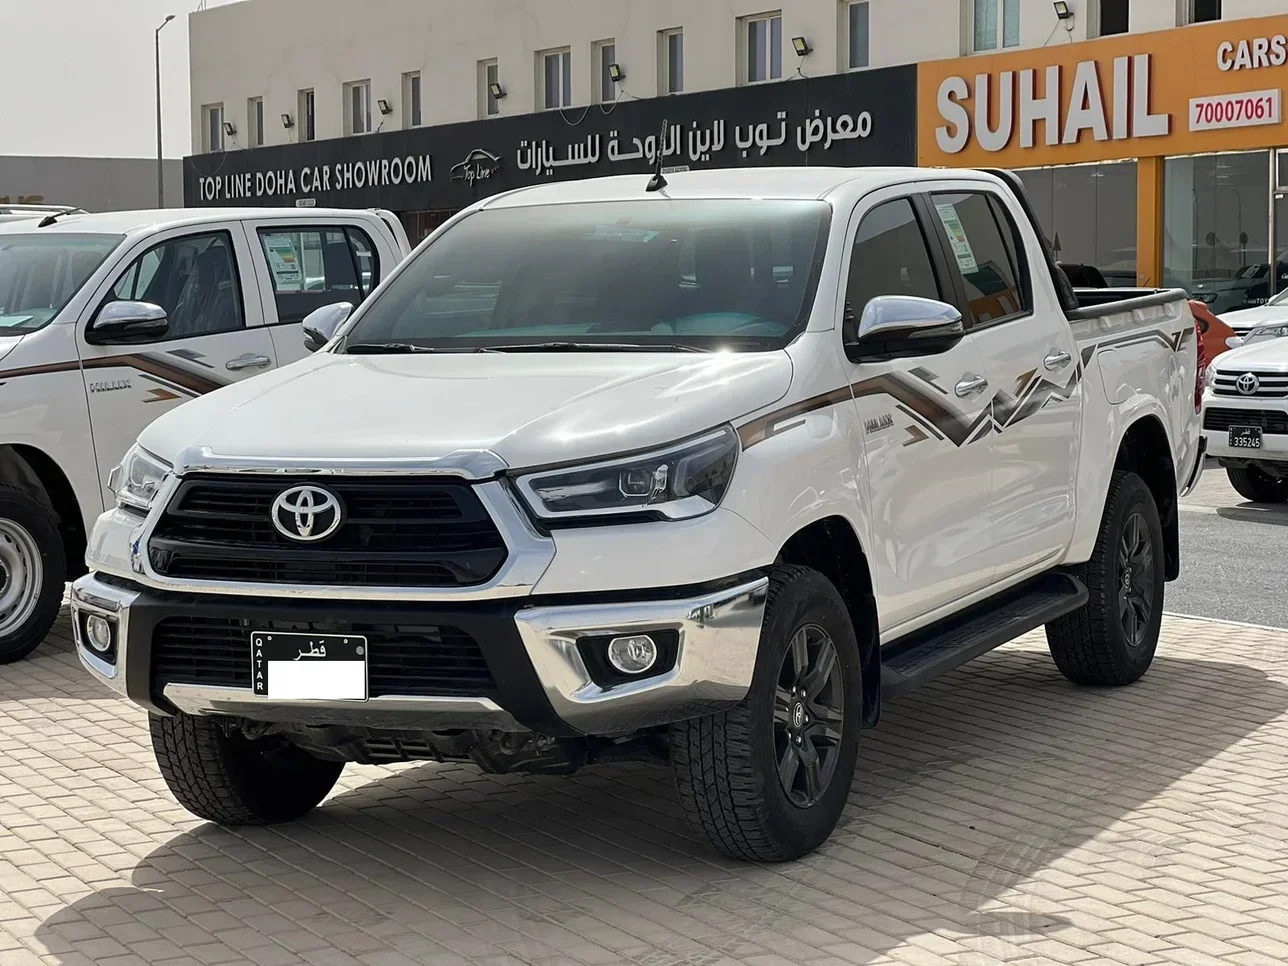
x,y
736,274
39,274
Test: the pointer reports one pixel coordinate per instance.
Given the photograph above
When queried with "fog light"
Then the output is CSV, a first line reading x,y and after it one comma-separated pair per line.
x,y
632,655
98,631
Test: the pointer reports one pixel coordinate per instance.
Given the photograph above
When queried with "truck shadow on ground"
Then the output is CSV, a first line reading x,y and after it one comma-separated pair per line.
x,y
1270,514
977,784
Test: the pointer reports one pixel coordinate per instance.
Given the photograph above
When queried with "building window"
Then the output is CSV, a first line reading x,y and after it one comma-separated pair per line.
x,y
411,99
212,126
997,24
488,75
556,78
605,56
1114,18
306,122
1204,11
357,107
763,40
255,122
856,34
670,57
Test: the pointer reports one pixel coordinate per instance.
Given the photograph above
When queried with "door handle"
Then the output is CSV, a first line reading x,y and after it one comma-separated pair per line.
x,y
971,384
1058,359
247,362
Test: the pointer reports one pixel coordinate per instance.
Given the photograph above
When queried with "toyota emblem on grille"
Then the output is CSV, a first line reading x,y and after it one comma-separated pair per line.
x,y
306,513
1248,383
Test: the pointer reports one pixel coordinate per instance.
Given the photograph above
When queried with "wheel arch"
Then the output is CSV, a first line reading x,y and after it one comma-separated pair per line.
x,y
830,546
1146,451
37,473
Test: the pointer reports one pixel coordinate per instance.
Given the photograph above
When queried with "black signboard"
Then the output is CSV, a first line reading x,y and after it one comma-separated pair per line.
x,y
866,117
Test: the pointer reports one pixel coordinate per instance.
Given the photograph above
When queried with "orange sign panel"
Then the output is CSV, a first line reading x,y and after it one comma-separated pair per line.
x,y
1192,90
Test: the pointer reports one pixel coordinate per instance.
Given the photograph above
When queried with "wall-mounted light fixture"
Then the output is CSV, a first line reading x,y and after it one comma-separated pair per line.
x,y
287,122
385,106
1062,10
230,129
801,46
496,90
616,73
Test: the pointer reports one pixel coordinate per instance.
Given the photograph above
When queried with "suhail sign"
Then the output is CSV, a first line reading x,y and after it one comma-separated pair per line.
x,y
1011,106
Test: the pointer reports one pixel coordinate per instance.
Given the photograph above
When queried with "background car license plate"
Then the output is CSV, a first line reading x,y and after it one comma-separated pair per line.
x,y
320,666
1245,437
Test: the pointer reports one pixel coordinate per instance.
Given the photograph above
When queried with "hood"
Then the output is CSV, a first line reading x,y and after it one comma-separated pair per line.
x,y
1268,354
528,409
1243,319
9,342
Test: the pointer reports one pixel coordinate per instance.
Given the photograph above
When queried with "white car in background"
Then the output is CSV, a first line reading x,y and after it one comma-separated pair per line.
x,y
1245,411
1243,321
109,320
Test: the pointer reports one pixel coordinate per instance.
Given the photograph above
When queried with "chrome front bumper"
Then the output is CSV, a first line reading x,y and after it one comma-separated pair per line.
x,y
718,634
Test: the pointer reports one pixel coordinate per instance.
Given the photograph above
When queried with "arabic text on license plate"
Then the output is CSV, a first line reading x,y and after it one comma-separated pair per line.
x,y
292,665
1245,437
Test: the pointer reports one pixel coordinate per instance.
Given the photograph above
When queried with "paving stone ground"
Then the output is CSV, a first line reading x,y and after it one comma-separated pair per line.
x,y
1001,815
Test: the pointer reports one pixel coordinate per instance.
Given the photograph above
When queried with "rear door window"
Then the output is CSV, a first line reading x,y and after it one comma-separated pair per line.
x,y
313,267
980,240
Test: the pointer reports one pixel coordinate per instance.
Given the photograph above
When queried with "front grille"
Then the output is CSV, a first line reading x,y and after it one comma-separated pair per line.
x,y
1271,385
403,659
1272,423
406,532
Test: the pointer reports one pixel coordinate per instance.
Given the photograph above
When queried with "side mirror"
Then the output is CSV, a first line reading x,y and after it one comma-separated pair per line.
x,y
320,325
1234,342
126,322
903,326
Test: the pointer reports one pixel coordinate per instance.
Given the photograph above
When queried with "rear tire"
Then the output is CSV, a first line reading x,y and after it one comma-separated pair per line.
x,y
233,780
747,784
1111,639
33,572
1256,485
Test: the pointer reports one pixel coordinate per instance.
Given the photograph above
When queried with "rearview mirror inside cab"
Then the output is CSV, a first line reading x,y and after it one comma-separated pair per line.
x,y
902,326
126,322
320,325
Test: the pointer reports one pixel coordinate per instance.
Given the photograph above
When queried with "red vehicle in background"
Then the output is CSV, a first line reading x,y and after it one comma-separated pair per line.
x,y
1212,331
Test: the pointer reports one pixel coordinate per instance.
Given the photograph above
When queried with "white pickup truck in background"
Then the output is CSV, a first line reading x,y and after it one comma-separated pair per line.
x,y
706,470
109,320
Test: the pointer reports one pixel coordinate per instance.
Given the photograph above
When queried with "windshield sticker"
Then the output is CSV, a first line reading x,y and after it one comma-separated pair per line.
x,y
282,260
962,251
618,233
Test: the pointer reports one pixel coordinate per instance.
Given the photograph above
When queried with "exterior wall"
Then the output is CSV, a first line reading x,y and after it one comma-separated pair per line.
x,y
95,184
275,48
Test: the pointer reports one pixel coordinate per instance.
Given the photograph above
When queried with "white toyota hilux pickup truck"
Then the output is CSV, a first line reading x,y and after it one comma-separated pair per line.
x,y
109,320
707,472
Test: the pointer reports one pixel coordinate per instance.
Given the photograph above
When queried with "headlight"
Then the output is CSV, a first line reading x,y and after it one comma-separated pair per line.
x,y
136,479
676,483
1277,331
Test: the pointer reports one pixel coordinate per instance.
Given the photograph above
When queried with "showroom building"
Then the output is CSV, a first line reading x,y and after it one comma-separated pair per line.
x,y
423,108
1150,156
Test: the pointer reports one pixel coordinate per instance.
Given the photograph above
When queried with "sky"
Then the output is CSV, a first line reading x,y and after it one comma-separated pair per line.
x,y
79,77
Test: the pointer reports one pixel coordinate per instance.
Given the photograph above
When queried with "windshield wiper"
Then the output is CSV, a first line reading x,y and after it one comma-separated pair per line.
x,y
379,348
590,347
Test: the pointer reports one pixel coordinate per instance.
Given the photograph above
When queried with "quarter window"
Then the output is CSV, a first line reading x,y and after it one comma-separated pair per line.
x,y
194,278
318,266
890,257
981,245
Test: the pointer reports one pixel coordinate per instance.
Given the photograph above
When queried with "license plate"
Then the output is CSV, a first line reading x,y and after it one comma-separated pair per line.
x,y
320,666
1245,437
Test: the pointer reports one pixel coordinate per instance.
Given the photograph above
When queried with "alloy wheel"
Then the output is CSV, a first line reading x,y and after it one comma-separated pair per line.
x,y
1136,579
809,711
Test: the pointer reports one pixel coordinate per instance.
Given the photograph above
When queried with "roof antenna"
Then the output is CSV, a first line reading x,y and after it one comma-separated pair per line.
x,y
658,182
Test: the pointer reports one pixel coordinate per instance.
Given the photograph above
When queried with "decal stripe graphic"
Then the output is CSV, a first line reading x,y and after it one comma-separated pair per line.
x,y
151,365
759,430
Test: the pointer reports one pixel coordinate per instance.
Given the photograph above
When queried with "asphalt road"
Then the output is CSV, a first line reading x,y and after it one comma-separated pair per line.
x,y
1234,557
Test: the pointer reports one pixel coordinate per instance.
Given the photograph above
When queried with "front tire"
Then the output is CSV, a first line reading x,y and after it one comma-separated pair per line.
x,y
33,571
1256,485
767,781
233,780
1111,639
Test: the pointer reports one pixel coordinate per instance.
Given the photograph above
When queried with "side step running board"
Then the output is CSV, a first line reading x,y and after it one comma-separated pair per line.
x,y
924,655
